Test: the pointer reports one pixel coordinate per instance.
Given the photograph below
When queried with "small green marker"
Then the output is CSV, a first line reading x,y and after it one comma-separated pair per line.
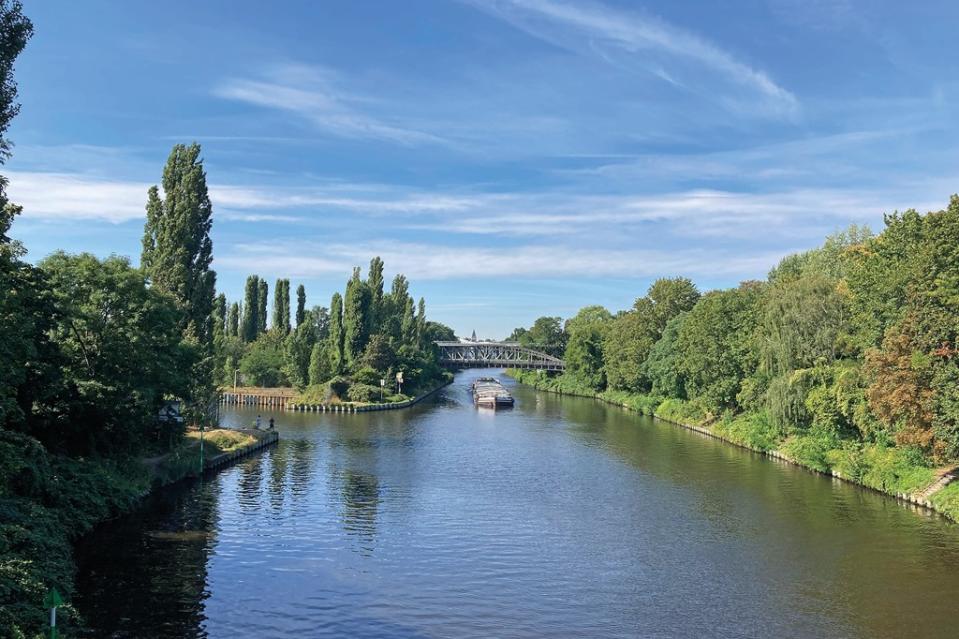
x,y
53,601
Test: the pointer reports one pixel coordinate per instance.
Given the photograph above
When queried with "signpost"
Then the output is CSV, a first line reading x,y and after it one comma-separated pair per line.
x,y
382,384
399,382
53,601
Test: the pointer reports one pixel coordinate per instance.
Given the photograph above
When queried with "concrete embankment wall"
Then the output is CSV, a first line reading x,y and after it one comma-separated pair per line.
x,y
265,439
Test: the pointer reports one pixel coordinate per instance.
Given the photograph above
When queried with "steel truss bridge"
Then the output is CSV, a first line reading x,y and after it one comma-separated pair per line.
x,y
495,355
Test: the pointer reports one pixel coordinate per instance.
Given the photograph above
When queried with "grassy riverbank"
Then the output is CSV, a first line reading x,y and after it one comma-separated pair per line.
x,y
336,392
885,468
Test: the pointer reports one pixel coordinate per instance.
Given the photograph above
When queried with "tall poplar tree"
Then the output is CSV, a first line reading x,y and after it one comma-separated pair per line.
x,y
300,304
375,284
263,291
233,320
177,249
219,317
251,303
408,322
177,253
421,324
281,306
336,334
356,306
394,303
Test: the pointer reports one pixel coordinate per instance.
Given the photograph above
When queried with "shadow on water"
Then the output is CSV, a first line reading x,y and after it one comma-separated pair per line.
x,y
148,570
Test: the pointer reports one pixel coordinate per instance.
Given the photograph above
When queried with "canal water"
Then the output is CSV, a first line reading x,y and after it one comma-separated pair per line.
x,y
563,517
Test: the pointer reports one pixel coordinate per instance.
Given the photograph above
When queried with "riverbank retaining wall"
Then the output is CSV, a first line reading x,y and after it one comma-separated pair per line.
x,y
265,439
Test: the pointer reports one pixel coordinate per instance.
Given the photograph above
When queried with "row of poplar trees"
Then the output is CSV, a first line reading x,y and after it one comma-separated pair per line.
x,y
364,327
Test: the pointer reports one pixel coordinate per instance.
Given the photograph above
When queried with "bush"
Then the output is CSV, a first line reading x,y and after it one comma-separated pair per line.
x,y
680,412
812,448
395,399
849,461
367,375
754,430
363,393
644,404
895,470
338,386
326,393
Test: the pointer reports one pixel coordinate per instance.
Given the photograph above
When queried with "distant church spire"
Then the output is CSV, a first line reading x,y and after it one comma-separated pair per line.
x,y
474,335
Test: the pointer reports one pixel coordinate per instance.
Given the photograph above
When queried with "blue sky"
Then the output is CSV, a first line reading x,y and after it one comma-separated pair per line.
x,y
514,158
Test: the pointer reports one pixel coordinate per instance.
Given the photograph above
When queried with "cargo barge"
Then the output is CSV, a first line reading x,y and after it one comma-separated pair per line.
x,y
488,392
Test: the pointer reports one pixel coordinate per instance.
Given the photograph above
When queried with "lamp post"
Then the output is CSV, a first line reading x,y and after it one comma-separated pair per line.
x,y
382,384
399,382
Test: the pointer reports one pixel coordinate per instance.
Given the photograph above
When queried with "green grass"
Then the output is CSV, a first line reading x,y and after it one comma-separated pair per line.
x,y
644,404
753,430
946,501
222,440
895,470
680,412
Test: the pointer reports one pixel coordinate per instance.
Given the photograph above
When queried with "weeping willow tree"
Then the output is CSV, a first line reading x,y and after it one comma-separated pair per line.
x,y
804,331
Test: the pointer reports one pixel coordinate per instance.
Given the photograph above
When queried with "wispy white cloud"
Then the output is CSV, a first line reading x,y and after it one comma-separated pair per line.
x,y
226,214
80,196
560,214
603,30
433,261
77,196
313,94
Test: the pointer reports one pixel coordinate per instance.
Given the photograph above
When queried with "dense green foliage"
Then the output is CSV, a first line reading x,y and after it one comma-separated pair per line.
x,y
176,258
366,336
846,359
281,306
250,326
546,335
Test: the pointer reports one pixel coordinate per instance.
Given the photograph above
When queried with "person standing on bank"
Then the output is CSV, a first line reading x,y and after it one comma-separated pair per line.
x,y
271,424
258,422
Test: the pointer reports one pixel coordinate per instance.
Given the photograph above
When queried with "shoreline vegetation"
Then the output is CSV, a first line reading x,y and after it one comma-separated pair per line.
x,y
844,359
881,469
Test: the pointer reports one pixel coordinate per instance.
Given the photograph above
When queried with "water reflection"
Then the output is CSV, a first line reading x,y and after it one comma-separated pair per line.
x,y
251,483
563,517
361,497
301,454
